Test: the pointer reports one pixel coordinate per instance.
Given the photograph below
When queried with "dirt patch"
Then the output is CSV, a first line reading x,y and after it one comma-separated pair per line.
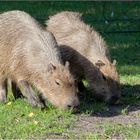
x,y
89,124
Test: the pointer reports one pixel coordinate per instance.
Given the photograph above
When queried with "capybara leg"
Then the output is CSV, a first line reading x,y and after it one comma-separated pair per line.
x,y
27,91
16,91
3,90
81,86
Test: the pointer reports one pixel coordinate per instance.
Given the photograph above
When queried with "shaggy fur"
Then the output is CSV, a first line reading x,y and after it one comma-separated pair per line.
x,y
71,31
29,55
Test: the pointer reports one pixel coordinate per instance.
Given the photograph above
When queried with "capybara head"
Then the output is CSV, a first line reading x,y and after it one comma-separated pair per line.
x,y
62,87
107,85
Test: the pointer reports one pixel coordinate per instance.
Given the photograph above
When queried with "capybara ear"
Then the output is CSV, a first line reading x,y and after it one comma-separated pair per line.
x,y
114,62
51,68
67,65
99,63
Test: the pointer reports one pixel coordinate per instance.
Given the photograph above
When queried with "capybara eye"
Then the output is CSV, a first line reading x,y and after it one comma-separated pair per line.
x,y
57,82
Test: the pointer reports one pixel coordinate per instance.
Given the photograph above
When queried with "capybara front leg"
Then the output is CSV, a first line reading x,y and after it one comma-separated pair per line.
x,y
16,91
81,86
3,90
27,91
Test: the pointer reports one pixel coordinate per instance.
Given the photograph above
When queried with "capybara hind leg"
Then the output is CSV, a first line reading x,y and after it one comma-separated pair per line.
x,y
3,90
16,91
27,91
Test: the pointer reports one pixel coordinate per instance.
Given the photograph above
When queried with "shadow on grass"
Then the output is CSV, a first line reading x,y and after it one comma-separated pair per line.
x,y
130,102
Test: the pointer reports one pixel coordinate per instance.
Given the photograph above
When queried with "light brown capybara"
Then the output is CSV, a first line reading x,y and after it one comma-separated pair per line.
x,y
72,33
30,56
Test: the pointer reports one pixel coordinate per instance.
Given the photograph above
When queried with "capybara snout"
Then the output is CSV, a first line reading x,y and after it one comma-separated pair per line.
x,y
115,99
69,102
111,94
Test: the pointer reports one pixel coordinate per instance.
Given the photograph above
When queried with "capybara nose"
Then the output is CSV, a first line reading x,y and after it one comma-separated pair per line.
x,y
70,106
114,100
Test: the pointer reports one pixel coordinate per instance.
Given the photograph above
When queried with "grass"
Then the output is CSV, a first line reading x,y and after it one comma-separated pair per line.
x,y
19,120
127,131
112,131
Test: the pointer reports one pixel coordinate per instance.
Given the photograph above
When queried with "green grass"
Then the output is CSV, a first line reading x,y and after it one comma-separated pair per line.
x,y
125,131
15,122
112,131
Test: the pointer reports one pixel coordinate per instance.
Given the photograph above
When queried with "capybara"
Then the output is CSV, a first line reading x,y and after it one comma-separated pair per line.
x,y
30,56
69,30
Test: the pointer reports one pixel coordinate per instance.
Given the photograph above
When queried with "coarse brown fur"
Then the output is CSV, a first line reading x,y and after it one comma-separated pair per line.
x,y
29,55
70,30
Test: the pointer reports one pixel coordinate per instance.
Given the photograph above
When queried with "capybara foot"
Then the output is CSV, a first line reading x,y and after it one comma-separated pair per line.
x,y
2,97
34,102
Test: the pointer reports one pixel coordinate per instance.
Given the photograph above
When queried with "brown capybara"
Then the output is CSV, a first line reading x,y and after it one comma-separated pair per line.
x,y
70,30
30,56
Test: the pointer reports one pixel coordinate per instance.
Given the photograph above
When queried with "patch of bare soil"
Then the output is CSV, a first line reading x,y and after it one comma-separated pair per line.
x,y
88,124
